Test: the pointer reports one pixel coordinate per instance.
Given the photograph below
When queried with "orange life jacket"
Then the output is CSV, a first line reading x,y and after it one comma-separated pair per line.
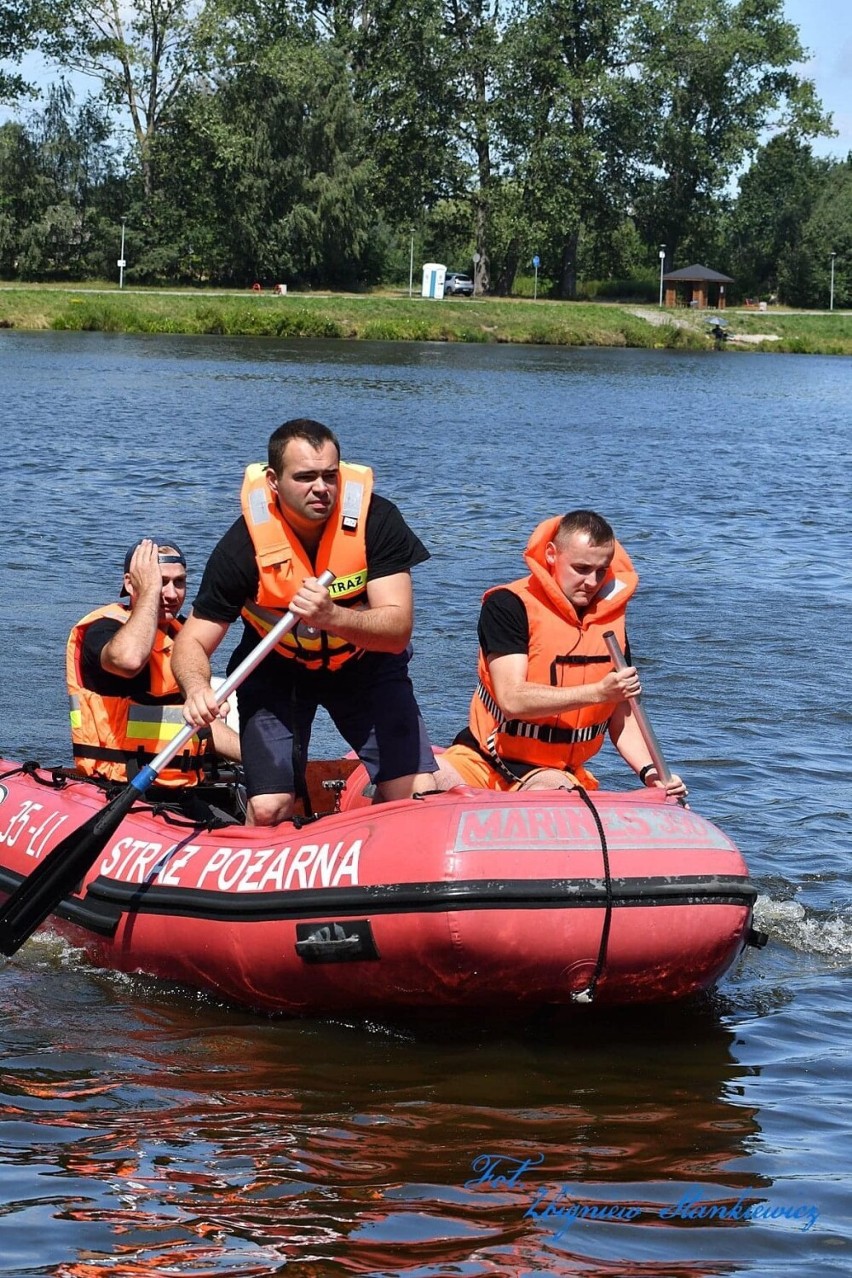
x,y
113,737
565,650
283,563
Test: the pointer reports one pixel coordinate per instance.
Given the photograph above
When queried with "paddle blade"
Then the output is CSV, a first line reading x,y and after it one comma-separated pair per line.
x,y
59,873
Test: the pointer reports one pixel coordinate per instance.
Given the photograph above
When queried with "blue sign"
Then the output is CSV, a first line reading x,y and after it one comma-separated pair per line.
x,y
536,261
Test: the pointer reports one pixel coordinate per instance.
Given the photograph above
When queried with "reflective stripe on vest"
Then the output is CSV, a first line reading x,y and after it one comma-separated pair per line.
x,y
539,731
112,737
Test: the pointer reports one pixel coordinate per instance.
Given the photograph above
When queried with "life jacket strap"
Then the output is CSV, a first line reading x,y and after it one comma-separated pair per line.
x,y
547,733
136,759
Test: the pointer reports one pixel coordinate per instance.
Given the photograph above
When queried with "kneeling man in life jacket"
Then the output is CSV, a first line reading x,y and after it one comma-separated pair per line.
x,y
548,692
125,703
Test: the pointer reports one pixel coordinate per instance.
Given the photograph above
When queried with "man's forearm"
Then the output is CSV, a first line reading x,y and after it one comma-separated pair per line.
x,y
190,666
129,650
534,701
385,628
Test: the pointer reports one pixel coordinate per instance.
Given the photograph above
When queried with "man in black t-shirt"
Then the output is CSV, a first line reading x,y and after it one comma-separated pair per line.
x,y
547,691
303,512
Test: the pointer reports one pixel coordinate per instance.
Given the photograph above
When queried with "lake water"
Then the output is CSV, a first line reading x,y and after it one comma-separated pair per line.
x,y
147,1130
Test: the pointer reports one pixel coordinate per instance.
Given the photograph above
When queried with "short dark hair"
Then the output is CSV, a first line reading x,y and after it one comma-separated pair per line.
x,y
585,521
298,428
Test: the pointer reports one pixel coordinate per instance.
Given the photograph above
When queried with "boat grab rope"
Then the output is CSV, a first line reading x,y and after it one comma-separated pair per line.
x,y
587,995
189,811
57,780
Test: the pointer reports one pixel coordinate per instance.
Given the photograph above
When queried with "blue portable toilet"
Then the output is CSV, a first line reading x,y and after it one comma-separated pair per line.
x,y
434,275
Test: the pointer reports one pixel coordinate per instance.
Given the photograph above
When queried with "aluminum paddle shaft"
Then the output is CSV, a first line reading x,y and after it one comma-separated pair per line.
x,y
649,735
146,775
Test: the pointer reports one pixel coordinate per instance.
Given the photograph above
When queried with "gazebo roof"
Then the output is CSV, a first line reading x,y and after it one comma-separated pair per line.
x,y
699,273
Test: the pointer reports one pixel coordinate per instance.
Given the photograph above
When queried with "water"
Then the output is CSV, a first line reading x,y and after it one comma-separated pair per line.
x,y
147,1130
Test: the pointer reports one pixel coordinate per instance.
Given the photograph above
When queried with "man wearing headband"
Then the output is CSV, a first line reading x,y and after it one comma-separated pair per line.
x,y
125,703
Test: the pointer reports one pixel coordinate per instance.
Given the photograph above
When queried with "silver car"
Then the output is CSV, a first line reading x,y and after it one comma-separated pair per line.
x,y
457,284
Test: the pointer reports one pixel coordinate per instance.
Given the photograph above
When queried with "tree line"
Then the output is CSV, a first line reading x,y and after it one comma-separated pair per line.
x,y
327,143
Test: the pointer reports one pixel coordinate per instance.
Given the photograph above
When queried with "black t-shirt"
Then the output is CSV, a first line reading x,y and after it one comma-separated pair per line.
x,y
504,626
101,681
231,575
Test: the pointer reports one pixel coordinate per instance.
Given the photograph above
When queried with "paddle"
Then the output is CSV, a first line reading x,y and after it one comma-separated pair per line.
x,y
649,735
62,869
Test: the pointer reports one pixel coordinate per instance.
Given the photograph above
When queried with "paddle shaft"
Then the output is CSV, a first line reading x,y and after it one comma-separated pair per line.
x,y
649,735
60,872
147,775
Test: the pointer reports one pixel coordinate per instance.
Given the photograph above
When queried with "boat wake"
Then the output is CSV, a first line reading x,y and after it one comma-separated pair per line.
x,y
791,923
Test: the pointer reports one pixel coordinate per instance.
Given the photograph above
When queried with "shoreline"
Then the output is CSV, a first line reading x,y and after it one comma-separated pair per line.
x,y
394,316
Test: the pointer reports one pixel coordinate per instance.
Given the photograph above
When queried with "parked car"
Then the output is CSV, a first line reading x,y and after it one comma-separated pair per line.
x,y
456,283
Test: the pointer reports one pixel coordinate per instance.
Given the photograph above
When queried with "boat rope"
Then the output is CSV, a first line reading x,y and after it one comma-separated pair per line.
x,y
57,781
13,772
587,995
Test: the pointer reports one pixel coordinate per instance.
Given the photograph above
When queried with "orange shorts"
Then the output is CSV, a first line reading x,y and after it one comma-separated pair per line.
x,y
477,771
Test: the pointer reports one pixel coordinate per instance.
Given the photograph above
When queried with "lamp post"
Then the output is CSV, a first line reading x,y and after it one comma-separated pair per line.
x,y
831,294
411,265
121,262
662,260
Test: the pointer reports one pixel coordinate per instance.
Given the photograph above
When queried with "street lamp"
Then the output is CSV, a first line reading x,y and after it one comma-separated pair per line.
x,y
662,260
831,297
121,262
411,265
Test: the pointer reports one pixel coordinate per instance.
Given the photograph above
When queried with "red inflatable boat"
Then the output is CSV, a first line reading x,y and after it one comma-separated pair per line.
x,y
467,900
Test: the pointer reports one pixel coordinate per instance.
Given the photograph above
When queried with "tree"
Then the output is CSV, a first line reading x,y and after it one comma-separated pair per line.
x,y
426,78
404,71
53,177
19,185
142,53
715,74
269,170
805,275
19,33
775,199
567,133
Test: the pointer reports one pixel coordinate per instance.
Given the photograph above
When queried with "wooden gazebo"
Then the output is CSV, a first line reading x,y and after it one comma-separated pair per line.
x,y
696,286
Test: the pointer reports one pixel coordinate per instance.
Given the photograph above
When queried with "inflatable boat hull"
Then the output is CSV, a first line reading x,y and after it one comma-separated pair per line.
x,y
464,900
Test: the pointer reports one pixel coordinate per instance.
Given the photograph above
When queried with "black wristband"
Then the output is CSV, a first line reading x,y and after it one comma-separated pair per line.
x,y
643,772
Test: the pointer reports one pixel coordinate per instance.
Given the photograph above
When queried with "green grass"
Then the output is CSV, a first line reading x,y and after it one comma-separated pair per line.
x,y
394,317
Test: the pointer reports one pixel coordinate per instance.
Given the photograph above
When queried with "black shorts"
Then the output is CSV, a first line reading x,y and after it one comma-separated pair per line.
x,y
370,701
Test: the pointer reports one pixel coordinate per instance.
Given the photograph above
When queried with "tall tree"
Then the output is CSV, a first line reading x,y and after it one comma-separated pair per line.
x,y
426,75
54,175
20,25
275,161
775,199
567,130
141,52
405,67
20,192
826,246
714,75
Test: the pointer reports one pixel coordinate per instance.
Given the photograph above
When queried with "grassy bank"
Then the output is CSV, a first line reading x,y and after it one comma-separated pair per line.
x,y
396,317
